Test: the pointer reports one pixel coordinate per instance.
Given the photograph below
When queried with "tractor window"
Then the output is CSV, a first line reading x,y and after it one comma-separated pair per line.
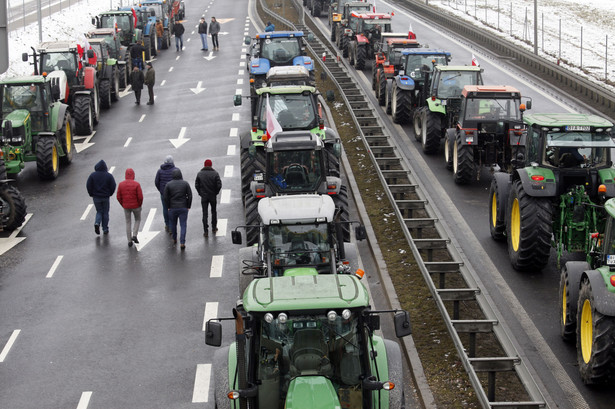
x,y
416,62
280,50
66,62
123,22
299,245
295,171
577,149
293,111
377,26
451,83
26,96
492,109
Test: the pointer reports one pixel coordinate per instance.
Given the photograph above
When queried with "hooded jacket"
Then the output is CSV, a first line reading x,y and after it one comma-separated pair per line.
x,y
164,176
208,183
129,192
177,193
100,182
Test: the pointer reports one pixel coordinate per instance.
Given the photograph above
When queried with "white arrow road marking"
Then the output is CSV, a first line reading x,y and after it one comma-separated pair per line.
x,y
221,227
111,169
142,118
9,242
216,266
9,344
145,236
87,210
228,171
225,196
231,150
198,88
210,56
85,400
180,138
211,311
201,383
235,117
128,141
233,132
126,91
79,147
54,267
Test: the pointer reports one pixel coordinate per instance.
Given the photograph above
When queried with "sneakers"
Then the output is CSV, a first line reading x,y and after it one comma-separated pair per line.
x,y
182,247
106,232
134,238
96,229
150,103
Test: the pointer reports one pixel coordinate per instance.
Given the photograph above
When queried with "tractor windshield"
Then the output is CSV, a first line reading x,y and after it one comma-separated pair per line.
x,y
66,61
24,96
155,9
294,245
294,171
415,63
451,83
577,149
376,26
123,21
309,345
280,50
491,109
293,111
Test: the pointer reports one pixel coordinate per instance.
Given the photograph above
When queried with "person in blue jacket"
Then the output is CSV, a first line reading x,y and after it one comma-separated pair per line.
x,y
270,27
163,176
101,186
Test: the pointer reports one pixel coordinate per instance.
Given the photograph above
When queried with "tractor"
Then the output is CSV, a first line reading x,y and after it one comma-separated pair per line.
x,y
567,157
440,110
36,126
339,28
388,60
74,69
107,73
307,341
317,7
12,203
117,51
146,23
124,22
364,33
159,12
488,131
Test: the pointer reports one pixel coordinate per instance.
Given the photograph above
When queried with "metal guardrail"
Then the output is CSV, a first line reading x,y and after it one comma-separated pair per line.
x,y
416,217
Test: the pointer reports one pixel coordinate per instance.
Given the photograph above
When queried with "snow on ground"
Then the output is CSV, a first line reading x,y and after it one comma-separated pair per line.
x,y
588,20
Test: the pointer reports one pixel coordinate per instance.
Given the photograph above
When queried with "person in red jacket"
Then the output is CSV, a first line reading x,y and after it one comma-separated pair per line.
x,y
130,196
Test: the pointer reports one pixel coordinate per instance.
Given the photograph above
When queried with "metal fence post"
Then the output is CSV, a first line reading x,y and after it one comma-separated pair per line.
x,y
581,47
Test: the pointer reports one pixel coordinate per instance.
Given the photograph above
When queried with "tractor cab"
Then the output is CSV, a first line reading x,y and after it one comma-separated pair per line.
x,y
293,110
448,81
111,39
24,102
418,63
123,21
278,48
370,25
491,109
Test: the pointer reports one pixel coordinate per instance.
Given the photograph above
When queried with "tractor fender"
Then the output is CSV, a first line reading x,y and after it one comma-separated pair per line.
x,y
361,39
304,61
111,62
89,77
604,300
394,374
245,139
503,183
60,117
404,82
108,72
576,270
544,188
436,106
379,359
331,136
607,178
259,66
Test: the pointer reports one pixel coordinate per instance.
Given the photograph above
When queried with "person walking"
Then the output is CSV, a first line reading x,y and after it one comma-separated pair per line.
x,y
214,29
159,33
150,80
130,196
270,27
136,80
136,53
163,176
208,185
178,198
178,32
203,34
101,186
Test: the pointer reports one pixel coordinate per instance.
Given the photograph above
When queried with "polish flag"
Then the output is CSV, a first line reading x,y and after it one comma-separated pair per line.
x,y
475,61
273,126
411,34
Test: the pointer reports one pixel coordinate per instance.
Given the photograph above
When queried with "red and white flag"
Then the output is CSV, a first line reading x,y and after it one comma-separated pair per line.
x,y
273,126
475,61
411,34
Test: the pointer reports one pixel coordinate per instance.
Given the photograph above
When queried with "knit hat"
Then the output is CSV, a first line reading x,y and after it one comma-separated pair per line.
x,y
208,163
168,159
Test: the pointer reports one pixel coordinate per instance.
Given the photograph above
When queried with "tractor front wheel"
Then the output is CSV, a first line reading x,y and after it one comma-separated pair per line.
x,y
528,229
84,118
221,380
388,103
360,56
148,48
66,137
341,205
431,129
105,94
13,207
115,88
595,339
381,87
317,9
497,210
417,120
344,46
449,148
400,105
463,162
47,161
249,165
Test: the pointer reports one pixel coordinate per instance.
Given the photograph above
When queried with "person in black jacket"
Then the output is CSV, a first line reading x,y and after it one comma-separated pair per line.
x,y
163,176
208,185
136,82
178,32
136,53
101,186
203,34
178,198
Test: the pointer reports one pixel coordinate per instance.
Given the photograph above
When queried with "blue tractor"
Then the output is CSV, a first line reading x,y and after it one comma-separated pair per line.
x,y
146,22
159,9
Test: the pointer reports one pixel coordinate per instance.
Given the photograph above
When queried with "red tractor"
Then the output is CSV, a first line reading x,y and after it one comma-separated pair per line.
x,y
364,32
388,61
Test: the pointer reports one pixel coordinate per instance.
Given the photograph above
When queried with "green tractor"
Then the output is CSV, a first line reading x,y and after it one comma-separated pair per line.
x,y
12,203
36,127
107,73
307,342
117,51
564,172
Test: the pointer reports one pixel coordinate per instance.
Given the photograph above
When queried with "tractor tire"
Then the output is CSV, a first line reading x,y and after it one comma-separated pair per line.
x,y
341,205
154,44
417,120
333,30
381,88
166,41
13,207
66,138
497,212
252,218
95,103
360,57
221,385
344,46
388,97
395,375
567,319
431,131
84,118
333,162
148,48
47,161
123,76
463,162
400,106
528,229
248,166
374,75
2,170
105,93
115,86
316,9
449,148
595,339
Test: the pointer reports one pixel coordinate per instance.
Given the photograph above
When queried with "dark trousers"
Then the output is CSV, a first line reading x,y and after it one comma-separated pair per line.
x,y
205,203
182,215
138,95
150,90
102,212
214,40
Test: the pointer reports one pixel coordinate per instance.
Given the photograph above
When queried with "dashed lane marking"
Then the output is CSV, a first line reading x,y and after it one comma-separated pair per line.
x,y
233,132
238,91
225,196
128,141
222,223
240,81
171,69
54,267
87,210
230,151
163,82
242,63
142,118
240,72
228,171
201,383
85,400
211,311
243,56
111,169
216,266
9,345
235,117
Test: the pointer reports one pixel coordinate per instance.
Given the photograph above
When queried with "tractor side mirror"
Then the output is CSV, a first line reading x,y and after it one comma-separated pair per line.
x,y
237,100
528,104
247,40
55,91
213,333
236,237
337,150
93,21
24,57
360,233
402,324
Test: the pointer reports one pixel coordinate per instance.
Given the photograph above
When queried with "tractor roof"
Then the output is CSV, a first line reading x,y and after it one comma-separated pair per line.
x,y
121,12
102,32
294,141
425,51
610,207
57,46
97,40
296,209
286,89
370,16
490,90
301,293
458,68
280,34
287,71
25,79
567,119
402,42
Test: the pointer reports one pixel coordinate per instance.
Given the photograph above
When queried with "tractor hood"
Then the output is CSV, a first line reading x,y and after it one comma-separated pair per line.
x,y
60,77
17,117
296,208
308,392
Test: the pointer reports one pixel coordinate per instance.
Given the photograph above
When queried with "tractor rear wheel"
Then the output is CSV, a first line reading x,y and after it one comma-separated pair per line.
x,y
95,103
449,148
567,320
374,75
47,161
400,106
341,205
316,9
147,45
115,85
2,170
463,162
595,339
344,46
123,76
333,163
13,207
497,211
360,57
252,218
381,87
333,29
66,138
166,41
105,93
431,129
249,165
528,229
417,120
388,97
84,118
221,380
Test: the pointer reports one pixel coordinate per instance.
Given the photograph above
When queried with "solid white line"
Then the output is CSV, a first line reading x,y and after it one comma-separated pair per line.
x,y
201,383
225,196
211,311
142,118
235,117
54,267
163,82
228,171
87,210
85,400
150,219
111,169
216,265
128,141
9,344
240,81
221,227
233,132
231,150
